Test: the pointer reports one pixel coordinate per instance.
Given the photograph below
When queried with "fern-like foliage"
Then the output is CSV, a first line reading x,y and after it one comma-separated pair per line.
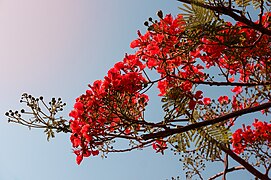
x,y
255,3
195,16
175,103
198,146
206,140
210,138
182,141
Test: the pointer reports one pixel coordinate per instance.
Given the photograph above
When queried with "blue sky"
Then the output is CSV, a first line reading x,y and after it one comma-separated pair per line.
x,y
55,48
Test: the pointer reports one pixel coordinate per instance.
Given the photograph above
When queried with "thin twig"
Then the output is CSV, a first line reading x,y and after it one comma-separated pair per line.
x,y
229,170
241,112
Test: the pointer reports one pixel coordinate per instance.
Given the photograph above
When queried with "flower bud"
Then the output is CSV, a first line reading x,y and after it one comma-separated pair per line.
x,y
146,23
160,14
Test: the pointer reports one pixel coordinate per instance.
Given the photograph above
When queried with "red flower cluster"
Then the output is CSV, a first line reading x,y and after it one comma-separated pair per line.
x,y
159,49
244,138
223,99
159,146
109,105
115,105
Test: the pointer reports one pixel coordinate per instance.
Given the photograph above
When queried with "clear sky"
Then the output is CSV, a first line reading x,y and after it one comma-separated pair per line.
x,y
55,48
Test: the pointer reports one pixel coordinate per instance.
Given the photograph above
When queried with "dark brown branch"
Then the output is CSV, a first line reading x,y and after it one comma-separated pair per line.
x,y
140,146
226,164
230,12
267,170
244,163
215,83
249,167
169,132
229,170
121,136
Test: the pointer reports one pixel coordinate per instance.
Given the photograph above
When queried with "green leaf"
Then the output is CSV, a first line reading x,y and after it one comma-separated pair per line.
x,y
210,138
195,15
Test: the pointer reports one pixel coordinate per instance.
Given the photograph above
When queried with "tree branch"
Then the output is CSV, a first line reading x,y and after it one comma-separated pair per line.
x,y
230,12
229,170
244,163
169,132
216,83
226,164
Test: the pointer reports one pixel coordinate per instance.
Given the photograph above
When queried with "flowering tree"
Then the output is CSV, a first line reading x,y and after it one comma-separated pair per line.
x,y
191,54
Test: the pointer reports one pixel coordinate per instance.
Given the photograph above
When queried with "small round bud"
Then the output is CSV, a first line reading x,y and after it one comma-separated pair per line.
x,y
150,19
146,23
22,111
160,14
41,98
7,114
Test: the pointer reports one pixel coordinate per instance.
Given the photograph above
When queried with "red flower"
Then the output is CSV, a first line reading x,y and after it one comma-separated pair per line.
x,y
223,99
198,94
206,101
237,90
247,137
87,153
101,110
135,43
195,53
79,106
231,79
159,146
79,159
162,86
192,104
95,153
74,114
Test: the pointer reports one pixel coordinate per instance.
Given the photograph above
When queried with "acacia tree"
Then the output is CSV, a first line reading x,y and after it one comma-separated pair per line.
x,y
191,54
